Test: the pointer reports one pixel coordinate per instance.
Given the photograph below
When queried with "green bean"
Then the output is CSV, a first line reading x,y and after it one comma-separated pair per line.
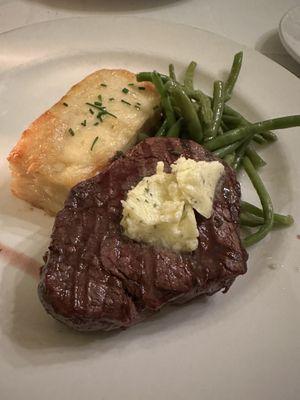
x,y
196,106
285,220
231,148
218,106
254,157
157,81
225,131
172,72
230,112
169,112
165,99
236,121
163,128
224,151
234,73
247,219
266,203
250,130
206,112
229,158
232,120
176,108
174,131
231,137
252,220
187,111
269,136
240,153
251,208
205,106
147,76
248,149
258,138
189,76
224,126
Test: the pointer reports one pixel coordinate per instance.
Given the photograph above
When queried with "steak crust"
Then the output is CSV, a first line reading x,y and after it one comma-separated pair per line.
x,y
95,278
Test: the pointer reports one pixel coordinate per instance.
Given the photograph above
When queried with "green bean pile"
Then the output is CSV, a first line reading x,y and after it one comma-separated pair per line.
x,y
189,113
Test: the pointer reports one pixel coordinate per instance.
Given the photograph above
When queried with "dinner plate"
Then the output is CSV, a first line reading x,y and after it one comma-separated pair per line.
x,y
240,345
289,32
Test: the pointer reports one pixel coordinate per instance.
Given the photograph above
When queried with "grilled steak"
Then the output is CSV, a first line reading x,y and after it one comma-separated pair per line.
x,y
95,278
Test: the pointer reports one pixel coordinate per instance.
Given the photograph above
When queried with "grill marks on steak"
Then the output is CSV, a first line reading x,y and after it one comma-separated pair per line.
x,y
97,278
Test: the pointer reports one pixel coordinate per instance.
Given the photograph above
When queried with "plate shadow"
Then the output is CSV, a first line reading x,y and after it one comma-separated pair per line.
x,y
107,6
270,45
37,339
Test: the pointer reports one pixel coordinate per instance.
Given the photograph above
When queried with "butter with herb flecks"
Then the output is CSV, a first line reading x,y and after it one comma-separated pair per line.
x,y
159,210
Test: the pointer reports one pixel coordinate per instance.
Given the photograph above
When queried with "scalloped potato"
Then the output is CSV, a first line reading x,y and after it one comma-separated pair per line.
x,y
77,137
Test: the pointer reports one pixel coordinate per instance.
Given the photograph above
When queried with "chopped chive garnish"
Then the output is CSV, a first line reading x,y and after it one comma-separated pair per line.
x,y
66,104
99,115
102,109
103,84
126,102
94,105
83,123
108,113
138,104
100,98
91,111
111,99
71,132
137,108
125,90
141,88
96,123
94,142
130,84
98,105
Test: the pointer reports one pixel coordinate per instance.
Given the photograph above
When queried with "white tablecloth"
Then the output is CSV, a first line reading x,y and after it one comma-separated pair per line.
x,y
253,23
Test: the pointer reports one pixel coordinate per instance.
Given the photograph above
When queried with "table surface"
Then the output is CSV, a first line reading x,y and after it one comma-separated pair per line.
x,y
253,23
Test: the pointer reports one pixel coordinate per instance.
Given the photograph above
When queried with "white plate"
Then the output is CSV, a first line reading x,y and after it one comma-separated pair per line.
x,y
289,32
241,345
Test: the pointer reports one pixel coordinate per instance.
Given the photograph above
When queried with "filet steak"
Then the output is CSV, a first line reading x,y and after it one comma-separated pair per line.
x,y
95,278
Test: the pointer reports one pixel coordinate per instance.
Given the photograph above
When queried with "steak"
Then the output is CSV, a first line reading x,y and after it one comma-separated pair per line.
x,y
96,278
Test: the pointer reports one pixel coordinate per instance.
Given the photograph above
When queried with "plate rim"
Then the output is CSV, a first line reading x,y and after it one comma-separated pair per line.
x,y
150,20
43,368
282,35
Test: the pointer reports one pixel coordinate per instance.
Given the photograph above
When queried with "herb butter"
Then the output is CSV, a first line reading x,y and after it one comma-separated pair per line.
x,y
197,181
159,210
